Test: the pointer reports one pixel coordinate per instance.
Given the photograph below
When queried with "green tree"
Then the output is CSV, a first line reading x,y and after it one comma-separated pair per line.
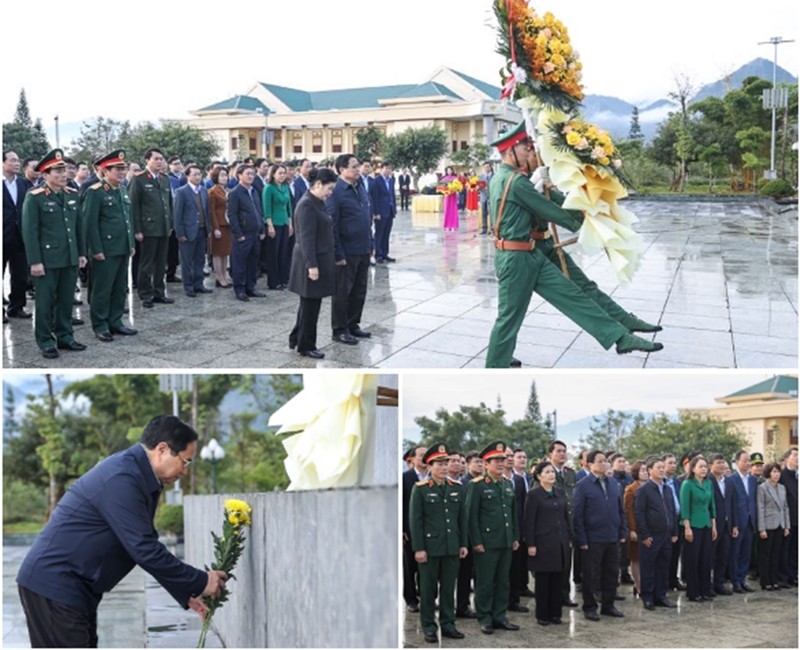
x,y
369,144
10,424
418,149
22,114
533,412
24,136
173,138
474,155
99,135
468,428
609,431
635,134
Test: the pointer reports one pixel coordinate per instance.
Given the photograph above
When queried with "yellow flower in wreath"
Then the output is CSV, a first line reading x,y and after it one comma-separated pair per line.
x,y
573,138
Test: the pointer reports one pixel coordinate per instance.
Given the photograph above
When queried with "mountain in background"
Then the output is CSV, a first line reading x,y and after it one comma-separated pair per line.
x,y
614,114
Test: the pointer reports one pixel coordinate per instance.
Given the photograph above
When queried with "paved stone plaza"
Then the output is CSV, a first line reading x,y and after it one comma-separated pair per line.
x,y
758,620
721,277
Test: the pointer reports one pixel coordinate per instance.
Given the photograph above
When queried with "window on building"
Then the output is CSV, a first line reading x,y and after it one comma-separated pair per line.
x,y
316,141
464,145
278,151
454,145
297,142
234,143
793,433
253,144
336,141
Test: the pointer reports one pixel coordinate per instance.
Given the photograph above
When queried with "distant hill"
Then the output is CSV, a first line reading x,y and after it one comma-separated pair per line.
x,y
614,114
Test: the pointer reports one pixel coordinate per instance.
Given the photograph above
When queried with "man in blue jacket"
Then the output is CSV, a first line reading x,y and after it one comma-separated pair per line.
x,y
247,227
745,486
349,208
384,209
727,523
101,529
600,528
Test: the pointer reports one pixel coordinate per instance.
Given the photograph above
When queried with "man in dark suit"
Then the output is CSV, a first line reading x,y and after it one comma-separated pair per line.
x,y
474,464
657,528
192,225
727,524
600,527
101,529
349,208
384,210
151,206
247,227
410,477
14,189
745,486
404,183
300,182
788,568
518,576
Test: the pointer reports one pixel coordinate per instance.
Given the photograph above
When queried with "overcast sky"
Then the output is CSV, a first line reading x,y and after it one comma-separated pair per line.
x,y
575,395
83,60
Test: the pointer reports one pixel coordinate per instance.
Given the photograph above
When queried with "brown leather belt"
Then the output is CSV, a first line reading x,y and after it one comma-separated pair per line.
x,y
512,245
540,234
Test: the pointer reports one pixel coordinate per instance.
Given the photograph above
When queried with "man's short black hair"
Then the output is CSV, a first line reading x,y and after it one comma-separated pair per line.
x,y
342,161
149,153
553,445
170,429
714,457
592,455
173,159
28,161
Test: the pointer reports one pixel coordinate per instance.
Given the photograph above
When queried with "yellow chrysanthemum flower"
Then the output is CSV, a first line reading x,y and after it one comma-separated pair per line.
x,y
238,512
573,138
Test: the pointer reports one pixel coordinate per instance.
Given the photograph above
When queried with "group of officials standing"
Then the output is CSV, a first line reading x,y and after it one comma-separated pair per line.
x,y
458,528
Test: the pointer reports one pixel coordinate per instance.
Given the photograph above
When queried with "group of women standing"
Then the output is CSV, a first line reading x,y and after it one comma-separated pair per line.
x,y
308,269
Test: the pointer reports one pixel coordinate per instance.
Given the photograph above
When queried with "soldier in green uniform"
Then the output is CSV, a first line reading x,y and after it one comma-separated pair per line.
x,y
51,231
437,518
151,206
524,262
109,236
493,534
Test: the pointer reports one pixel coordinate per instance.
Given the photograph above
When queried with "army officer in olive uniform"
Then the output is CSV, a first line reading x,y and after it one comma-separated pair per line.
x,y
493,534
521,216
437,519
109,237
51,231
151,208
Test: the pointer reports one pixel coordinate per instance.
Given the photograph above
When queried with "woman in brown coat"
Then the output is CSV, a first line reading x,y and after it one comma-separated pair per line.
x,y
219,239
639,474
313,260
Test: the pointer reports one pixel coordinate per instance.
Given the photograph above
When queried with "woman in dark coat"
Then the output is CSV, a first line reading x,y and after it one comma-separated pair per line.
x,y
313,260
547,533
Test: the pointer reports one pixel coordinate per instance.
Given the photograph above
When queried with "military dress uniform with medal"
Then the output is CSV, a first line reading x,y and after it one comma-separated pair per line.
x,y
51,231
109,236
493,535
438,523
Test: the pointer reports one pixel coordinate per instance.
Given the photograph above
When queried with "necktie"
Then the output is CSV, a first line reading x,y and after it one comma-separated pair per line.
x,y
603,485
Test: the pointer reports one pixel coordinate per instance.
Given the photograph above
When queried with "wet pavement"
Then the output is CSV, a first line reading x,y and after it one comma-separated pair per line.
x,y
757,620
137,613
720,277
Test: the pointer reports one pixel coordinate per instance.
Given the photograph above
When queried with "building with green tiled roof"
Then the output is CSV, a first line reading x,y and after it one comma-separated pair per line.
x,y
283,123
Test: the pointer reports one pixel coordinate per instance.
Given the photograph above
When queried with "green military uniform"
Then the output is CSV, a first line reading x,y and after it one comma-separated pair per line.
x,y
51,231
437,520
151,208
107,215
492,522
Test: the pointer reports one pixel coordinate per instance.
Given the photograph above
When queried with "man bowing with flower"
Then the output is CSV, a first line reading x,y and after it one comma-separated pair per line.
x,y
101,529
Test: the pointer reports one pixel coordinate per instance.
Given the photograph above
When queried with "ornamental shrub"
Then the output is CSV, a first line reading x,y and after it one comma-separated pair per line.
x,y
778,189
169,519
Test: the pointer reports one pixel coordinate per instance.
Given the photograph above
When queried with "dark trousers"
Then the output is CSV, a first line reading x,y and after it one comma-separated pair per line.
x,y
518,576
769,556
173,256
383,229
463,585
409,576
14,259
135,258
674,559
193,258
278,257
740,555
577,566
108,292
55,293
304,334
697,560
485,225
350,293
565,585
404,194
492,569
624,560
244,264
54,625
152,267
788,569
437,576
548,595
721,550
600,573
654,568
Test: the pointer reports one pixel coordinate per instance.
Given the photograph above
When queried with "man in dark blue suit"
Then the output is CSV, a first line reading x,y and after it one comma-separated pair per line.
x,y
745,486
247,227
300,184
600,527
384,210
727,523
654,511
14,189
410,477
788,569
192,225
101,529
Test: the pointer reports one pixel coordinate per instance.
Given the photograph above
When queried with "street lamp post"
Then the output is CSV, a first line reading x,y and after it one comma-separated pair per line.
x,y
214,453
774,101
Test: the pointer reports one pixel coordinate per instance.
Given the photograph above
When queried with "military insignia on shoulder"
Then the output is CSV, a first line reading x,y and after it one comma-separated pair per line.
x,y
452,481
479,479
96,186
70,190
421,483
38,190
